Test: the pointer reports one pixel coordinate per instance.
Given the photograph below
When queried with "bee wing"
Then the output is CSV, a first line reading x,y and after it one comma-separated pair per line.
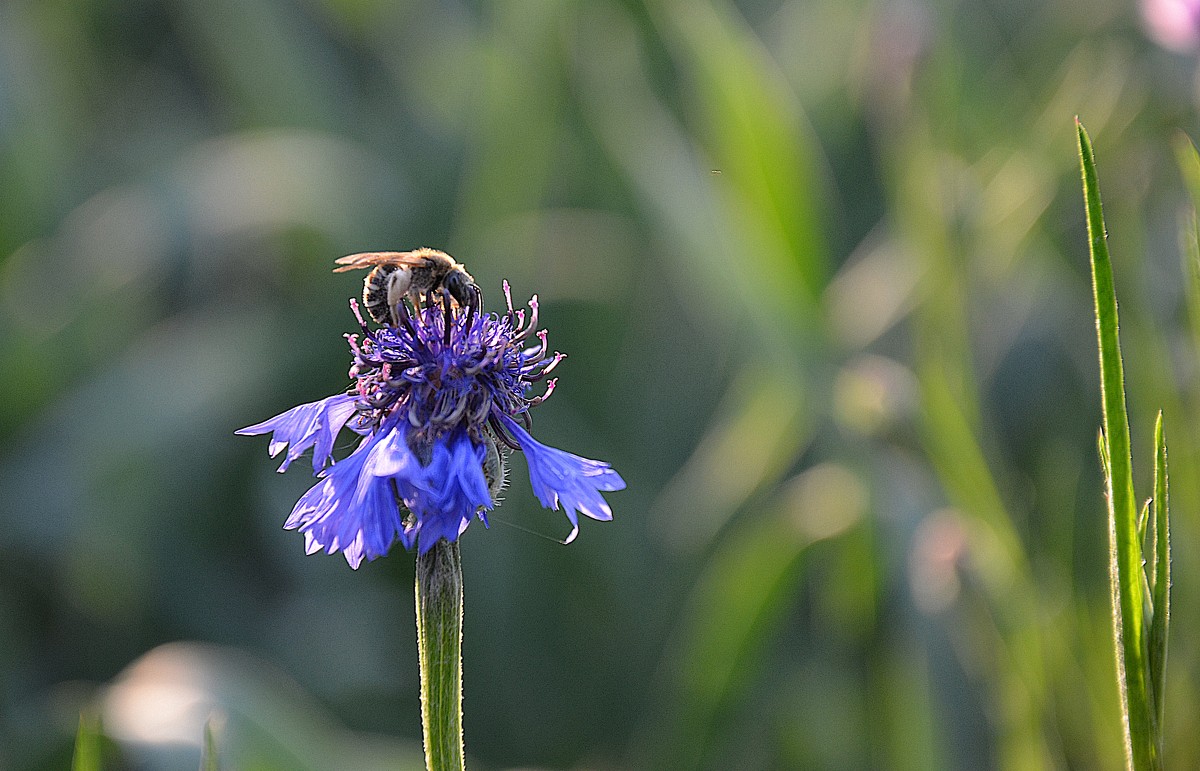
x,y
371,259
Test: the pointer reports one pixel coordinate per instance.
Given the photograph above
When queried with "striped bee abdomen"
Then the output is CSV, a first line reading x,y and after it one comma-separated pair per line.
x,y
375,293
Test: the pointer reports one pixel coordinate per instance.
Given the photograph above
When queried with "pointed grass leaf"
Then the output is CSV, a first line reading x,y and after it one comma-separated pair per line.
x,y
1160,559
1126,554
1189,238
745,591
87,745
1143,518
1102,450
1189,168
210,759
1189,164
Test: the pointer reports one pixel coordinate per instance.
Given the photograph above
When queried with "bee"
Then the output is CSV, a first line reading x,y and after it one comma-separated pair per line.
x,y
397,275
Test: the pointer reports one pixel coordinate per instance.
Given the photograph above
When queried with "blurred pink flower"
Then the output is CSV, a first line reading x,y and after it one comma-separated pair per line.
x,y
1173,24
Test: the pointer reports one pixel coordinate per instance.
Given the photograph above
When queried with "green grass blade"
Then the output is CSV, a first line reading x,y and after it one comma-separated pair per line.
x,y
209,757
1190,239
1102,450
1126,565
739,599
1161,592
1143,520
1189,164
1189,167
87,745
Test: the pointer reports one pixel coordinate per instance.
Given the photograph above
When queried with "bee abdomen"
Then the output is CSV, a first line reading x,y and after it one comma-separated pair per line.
x,y
375,293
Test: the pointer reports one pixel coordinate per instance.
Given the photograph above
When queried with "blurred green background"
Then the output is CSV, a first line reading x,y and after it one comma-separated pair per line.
x,y
821,271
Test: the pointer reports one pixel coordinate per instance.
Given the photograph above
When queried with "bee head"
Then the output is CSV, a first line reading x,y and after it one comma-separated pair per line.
x,y
461,288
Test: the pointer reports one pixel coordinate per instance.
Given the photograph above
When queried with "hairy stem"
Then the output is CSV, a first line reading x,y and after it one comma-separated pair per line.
x,y
439,645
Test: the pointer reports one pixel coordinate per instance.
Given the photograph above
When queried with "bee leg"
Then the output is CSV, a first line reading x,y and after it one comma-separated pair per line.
x,y
414,299
401,311
398,283
475,302
447,316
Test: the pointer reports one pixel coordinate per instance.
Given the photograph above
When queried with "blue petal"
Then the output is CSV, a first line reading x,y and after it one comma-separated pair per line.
x,y
315,424
353,511
443,495
560,478
391,456
457,469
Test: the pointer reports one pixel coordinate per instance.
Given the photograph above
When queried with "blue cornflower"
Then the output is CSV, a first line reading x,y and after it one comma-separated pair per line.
x,y
439,397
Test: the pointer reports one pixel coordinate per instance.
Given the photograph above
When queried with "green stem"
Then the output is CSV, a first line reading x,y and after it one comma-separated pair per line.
x,y
439,645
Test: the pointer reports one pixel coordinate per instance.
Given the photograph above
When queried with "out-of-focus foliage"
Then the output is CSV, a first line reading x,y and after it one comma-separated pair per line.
x,y
821,268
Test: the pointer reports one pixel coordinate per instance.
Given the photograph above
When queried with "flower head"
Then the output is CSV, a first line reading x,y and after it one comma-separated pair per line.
x,y
439,397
